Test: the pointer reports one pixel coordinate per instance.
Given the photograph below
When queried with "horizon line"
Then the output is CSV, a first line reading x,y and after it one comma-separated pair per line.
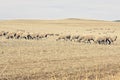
x,y
57,19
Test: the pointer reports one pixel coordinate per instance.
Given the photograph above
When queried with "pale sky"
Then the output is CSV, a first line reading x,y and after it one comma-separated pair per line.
x,y
60,9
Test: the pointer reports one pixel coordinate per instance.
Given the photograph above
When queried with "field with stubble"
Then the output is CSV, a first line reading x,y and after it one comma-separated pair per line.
x,y
48,59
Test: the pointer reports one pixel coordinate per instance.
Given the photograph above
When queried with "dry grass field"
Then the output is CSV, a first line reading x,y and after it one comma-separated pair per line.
x,y
48,59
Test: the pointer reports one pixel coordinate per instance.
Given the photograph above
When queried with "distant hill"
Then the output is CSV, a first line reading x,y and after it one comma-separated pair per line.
x,y
73,19
78,19
117,21
56,21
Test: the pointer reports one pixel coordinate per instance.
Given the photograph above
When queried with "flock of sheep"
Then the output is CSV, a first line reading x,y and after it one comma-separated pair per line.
x,y
24,35
107,40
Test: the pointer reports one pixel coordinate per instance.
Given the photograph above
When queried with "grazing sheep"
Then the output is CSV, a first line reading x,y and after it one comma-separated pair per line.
x,y
50,34
106,40
101,40
112,39
18,35
3,33
65,37
35,36
28,36
43,36
75,37
10,35
87,38
25,35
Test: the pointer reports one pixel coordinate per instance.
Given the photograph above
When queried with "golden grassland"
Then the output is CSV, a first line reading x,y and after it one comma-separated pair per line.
x,y
48,59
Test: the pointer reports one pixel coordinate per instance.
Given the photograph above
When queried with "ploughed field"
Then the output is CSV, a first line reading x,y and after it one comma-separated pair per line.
x,y
60,58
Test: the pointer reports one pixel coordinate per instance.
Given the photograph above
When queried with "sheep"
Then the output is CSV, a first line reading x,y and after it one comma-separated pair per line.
x,y
3,33
112,39
87,39
10,35
75,37
65,37
24,35
18,35
36,35
107,40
